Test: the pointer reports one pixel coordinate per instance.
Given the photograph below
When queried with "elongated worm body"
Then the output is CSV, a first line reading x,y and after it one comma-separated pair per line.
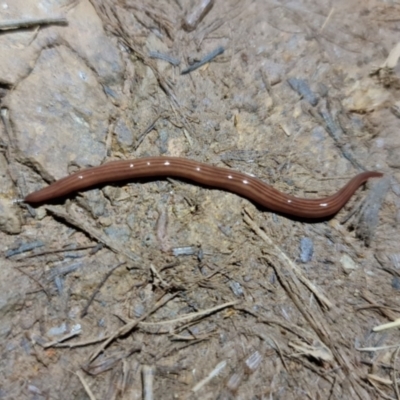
x,y
221,178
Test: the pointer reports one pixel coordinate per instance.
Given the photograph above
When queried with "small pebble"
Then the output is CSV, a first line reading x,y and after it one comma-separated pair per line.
x,y
306,249
396,283
348,264
302,87
236,288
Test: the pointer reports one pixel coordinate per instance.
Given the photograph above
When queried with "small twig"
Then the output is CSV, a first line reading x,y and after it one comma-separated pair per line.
x,y
389,325
371,378
196,14
287,261
387,312
128,327
157,275
369,349
90,231
125,373
268,86
29,23
85,385
165,57
219,367
178,348
103,281
189,317
209,57
147,379
35,280
394,372
79,344
280,354
62,339
111,360
328,18
24,247
56,251
12,145
147,130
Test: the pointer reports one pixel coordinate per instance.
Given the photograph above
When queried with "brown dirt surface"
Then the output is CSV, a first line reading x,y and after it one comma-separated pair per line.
x,y
166,289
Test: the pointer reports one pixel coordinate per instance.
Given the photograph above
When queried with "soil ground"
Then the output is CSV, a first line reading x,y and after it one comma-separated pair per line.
x,y
168,290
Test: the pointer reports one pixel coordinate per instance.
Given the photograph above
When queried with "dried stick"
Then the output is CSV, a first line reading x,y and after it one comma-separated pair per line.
x,y
29,23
